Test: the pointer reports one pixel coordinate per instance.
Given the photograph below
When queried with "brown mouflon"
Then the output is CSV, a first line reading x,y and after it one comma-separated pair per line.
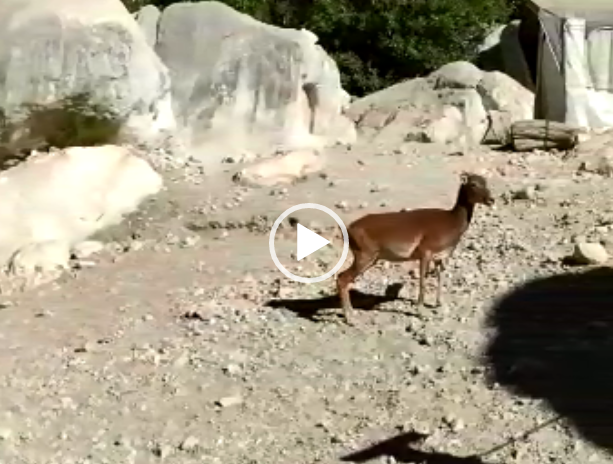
x,y
429,235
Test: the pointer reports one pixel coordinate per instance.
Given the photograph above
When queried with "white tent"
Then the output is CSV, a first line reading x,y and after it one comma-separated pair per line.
x,y
573,60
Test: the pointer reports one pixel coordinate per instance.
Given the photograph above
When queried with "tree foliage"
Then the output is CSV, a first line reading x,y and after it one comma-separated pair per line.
x,y
379,42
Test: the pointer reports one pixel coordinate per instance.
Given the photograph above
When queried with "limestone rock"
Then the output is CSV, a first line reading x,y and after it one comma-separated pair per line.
x,y
456,75
414,111
502,93
68,195
50,51
444,107
473,114
446,128
87,248
283,169
239,84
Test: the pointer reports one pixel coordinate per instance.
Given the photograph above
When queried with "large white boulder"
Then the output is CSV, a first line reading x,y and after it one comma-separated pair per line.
x,y
52,202
452,105
53,50
502,93
241,85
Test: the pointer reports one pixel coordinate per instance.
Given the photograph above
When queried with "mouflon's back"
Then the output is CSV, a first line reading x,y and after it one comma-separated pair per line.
x,y
419,224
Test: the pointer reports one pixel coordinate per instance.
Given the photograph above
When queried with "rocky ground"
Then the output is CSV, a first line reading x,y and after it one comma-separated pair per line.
x,y
167,348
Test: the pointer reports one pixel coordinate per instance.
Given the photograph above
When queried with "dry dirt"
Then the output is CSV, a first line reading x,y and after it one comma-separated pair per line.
x,y
187,345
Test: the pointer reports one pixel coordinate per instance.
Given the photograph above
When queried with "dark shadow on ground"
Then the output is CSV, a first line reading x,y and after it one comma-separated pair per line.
x,y
553,340
399,448
312,308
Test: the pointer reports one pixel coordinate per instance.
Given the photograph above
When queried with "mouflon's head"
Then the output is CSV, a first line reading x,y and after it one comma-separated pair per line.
x,y
476,188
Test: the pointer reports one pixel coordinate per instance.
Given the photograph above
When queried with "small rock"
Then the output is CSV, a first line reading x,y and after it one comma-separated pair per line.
x,y
590,253
182,360
526,193
136,245
189,242
228,401
85,348
5,434
342,205
161,451
171,239
232,369
223,234
189,444
87,248
120,440
83,264
456,425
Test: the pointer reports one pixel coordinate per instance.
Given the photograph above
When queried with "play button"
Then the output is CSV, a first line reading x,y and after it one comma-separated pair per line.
x,y
308,242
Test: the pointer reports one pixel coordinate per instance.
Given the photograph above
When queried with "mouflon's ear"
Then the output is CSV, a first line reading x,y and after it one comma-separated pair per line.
x,y
464,177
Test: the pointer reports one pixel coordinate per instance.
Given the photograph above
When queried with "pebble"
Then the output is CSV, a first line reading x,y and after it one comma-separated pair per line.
x,y
343,205
5,433
136,245
189,242
171,239
87,248
87,347
189,444
229,401
232,369
161,450
526,193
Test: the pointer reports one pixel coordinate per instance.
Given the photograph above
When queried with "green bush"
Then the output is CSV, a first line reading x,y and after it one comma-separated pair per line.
x,y
377,43
72,121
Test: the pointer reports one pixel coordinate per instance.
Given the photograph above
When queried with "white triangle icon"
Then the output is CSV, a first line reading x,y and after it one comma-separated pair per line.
x,y
308,242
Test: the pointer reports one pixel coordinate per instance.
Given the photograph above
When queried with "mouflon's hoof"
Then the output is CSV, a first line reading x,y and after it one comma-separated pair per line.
x,y
348,320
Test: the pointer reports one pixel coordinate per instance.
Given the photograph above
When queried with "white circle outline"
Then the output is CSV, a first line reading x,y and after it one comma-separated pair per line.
x,y
273,253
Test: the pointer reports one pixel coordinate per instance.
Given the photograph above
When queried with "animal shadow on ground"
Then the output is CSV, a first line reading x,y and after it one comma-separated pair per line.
x,y
553,340
311,308
399,448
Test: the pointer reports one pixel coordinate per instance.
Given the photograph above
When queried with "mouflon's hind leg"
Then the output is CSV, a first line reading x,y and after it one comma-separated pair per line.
x,y
440,268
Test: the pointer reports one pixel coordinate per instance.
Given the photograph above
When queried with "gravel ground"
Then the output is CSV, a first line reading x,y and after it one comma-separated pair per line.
x,y
184,344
